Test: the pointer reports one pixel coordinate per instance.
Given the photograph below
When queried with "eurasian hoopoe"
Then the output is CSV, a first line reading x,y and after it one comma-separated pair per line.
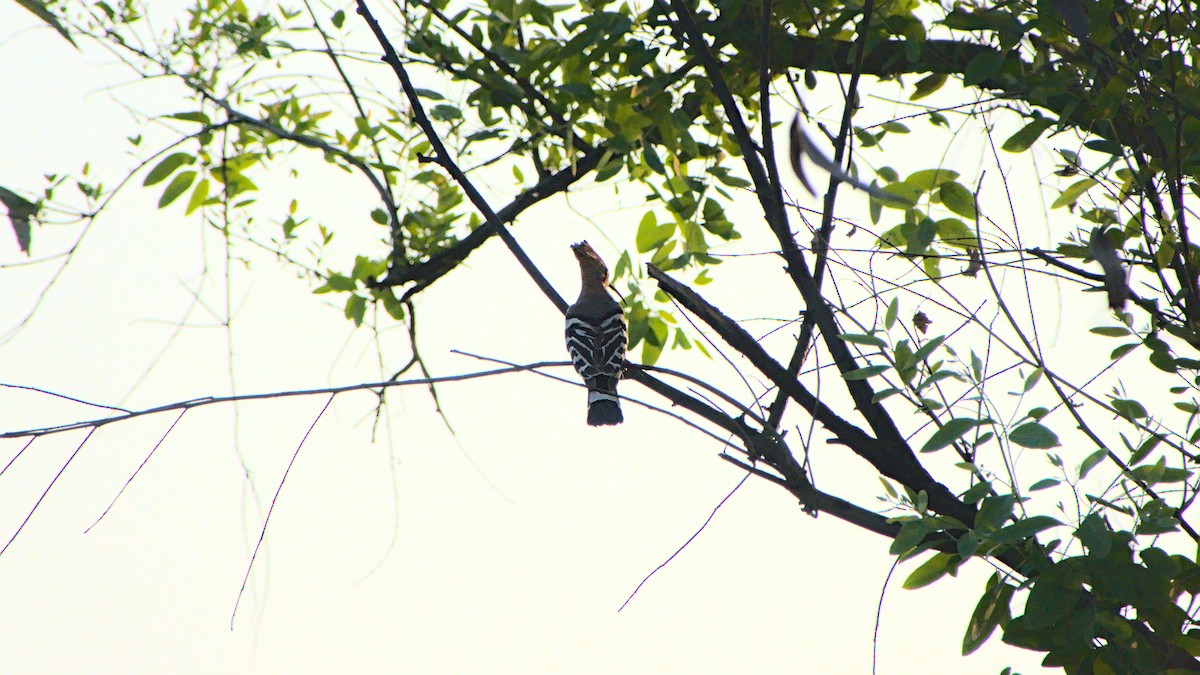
x,y
596,338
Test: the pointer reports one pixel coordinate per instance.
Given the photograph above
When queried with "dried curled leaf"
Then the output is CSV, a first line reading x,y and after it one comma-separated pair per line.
x,y
974,262
921,321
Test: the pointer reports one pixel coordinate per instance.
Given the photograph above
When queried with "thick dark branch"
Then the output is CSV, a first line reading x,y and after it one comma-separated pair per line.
x,y
773,209
762,444
442,158
827,503
890,58
825,232
894,461
737,337
444,261
758,174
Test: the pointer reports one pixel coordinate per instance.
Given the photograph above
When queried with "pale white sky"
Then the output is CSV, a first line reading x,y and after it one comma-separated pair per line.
x,y
506,550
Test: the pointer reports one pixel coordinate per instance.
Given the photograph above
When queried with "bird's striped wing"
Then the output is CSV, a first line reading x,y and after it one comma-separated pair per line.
x,y
597,346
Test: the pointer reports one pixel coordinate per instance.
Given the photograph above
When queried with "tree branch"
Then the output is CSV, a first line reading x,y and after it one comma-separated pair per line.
x,y
444,261
443,159
888,460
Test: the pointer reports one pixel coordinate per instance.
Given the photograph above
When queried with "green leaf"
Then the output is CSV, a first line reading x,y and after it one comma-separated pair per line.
x,y
864,373
392,305
1107,504
1123,350
968,543
197,117
927,349
650,353
1159,472
938,377
651,235
1143,451
926,180
889,319
1093,533
366,269
955,232
927,85
977,492
176,187
994,511
1110,331
933,267
888,487
1091,461
39,9
1044,484
356,308
1027,136
930,571
910,534
918,236
902,354
1032,380
982,67
1034,435
1073,193
951,431
884,393
444,112
1023,529
340,283
992,610
1104,145
653,161
166,167
379,216
658,330
1129,408
861,339
957,198
1054,595
199,195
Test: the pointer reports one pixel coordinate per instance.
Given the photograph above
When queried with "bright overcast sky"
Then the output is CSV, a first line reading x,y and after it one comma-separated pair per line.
x,y
507,549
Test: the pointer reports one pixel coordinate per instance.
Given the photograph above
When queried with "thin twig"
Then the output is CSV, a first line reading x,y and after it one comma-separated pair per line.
x,y
137,471
211,400
39,390
47,490
879,615
685,544
266,520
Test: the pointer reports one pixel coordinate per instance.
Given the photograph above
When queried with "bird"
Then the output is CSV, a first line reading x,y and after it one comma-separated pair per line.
x,y
596,338
1116,279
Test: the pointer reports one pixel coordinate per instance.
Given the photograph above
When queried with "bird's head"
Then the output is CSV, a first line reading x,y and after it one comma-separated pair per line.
x,y
589,262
